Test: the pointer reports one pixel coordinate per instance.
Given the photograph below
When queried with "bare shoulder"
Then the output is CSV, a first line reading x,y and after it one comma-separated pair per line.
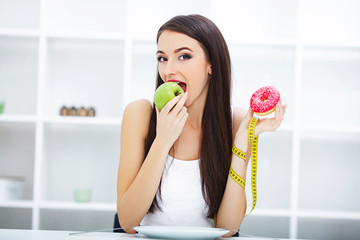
x,y
238,116
137,115
138,106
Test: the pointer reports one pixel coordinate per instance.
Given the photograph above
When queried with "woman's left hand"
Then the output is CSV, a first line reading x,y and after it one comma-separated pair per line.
x,y
265,124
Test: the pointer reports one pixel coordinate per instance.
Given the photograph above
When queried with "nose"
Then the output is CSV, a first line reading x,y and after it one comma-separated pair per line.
x,y
169,68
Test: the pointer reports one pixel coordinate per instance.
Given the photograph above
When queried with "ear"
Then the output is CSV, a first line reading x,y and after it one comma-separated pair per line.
x,y
209,69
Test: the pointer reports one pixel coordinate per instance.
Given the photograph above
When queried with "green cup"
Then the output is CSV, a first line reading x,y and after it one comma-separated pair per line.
x,y
82,195
2,106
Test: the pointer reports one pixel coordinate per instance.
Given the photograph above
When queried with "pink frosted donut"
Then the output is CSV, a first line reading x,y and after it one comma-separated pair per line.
x,y
264,100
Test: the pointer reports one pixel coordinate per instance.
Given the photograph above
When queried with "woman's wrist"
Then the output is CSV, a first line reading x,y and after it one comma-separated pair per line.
x,y
160,145
241,141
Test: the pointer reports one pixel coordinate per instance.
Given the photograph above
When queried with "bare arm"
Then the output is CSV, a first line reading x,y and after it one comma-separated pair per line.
x,y
233,206
138,179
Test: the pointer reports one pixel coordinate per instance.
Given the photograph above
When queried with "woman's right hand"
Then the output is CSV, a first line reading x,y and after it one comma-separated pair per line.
x,y
171,120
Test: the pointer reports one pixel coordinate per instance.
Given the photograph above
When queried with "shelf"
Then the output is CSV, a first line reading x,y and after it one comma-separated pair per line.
x,y
266,212
19,32
91,206
106,121
264,42
86,35
329,214
16,204
312,130
18,118
331,44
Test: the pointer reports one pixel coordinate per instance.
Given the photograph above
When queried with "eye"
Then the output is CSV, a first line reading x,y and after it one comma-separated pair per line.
x,y
161,59
184,57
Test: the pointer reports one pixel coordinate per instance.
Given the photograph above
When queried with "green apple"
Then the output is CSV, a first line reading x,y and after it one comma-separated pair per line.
x,y
165,92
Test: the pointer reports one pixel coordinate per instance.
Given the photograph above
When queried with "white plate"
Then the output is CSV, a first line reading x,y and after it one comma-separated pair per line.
x,y
181,232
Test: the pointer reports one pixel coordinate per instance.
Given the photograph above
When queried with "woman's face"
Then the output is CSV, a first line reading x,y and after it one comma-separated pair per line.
x,y
181,59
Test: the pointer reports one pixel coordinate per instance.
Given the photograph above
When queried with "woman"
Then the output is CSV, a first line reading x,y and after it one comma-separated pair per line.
x,y
174,163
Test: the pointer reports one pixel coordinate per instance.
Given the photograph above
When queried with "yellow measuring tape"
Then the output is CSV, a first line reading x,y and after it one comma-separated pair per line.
x,y
237,178
254,146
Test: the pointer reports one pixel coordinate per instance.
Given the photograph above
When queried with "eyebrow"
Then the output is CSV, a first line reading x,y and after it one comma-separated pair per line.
x,y
176,50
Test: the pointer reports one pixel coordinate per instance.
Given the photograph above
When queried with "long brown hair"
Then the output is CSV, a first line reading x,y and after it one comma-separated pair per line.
x,y
216,143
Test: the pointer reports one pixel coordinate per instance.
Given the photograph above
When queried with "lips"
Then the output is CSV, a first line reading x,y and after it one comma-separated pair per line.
x,y
181,84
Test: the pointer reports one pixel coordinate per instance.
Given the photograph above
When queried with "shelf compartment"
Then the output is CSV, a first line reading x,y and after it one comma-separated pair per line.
x,y
310,228
265,226
277,69
15,218
80,156
83,16
239,20
339,21
149,21
328,171
144,71
273,173
17,14
330,87
85,73
75,220
18,74
17,153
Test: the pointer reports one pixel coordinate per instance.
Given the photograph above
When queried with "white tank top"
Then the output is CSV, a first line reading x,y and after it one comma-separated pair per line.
x,y
182,202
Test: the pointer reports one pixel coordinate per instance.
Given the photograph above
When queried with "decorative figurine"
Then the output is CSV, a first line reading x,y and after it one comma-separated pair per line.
x,y
64,111
73,111
91,112
82,112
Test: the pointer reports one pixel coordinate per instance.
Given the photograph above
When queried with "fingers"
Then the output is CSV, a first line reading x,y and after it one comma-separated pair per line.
x,y
180,104
170,105
175,104
246,121
278,110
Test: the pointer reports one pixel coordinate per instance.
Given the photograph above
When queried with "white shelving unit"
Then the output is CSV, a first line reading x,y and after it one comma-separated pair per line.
x,y
102,54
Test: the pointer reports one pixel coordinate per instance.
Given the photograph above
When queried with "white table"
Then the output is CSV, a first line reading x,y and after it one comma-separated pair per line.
x,y
16,234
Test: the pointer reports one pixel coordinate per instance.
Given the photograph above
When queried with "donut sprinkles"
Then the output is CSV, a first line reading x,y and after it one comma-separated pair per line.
x,y
264,100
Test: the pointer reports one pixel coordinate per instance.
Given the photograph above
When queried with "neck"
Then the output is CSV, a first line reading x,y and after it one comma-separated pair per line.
x,y
196,111
195,117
